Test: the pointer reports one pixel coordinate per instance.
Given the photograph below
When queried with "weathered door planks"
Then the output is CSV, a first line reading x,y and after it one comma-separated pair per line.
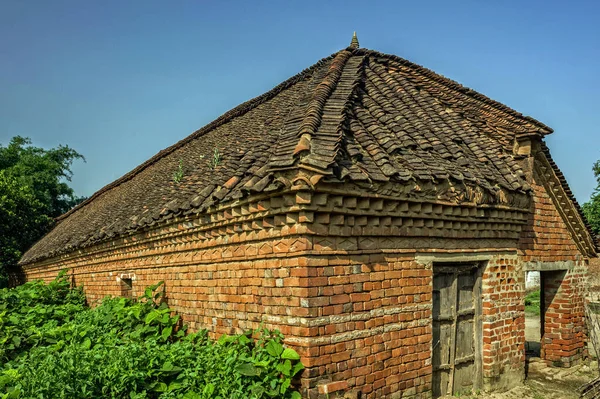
x,y
456,329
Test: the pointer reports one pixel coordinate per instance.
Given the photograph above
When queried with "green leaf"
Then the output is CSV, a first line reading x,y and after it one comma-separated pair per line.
x,y
262,363
274,348
258,390
152,316
166,333
284,385
297,368
161,387
248,369
208,390
136,312
174,386
168,366
87,343
244,340
296,395
285,368
291,354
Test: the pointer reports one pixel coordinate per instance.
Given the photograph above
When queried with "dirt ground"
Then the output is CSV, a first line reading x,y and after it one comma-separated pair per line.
x,y
544,382
532,335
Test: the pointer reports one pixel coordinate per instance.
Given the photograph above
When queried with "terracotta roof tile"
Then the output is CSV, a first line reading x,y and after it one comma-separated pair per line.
x,y
358,115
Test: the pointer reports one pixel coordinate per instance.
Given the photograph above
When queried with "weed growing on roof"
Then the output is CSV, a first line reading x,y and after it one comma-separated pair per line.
x,y
53,346
178,174
216,160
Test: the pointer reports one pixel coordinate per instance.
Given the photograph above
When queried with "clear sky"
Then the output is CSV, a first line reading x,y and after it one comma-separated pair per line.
x,y
121,80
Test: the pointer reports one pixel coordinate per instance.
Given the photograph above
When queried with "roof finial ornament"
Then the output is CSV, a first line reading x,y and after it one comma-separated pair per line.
x,y
354,42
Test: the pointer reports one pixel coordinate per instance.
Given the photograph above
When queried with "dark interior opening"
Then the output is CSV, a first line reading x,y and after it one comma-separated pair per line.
x,y
127,288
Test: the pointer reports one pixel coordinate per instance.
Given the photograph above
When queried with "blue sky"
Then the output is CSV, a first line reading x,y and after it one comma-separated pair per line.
x,y
121,80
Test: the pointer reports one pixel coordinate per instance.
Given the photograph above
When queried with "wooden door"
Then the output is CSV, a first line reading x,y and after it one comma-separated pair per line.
x,y
456,329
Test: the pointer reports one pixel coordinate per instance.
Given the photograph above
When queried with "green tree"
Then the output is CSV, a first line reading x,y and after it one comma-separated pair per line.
x,y
34,190
591,209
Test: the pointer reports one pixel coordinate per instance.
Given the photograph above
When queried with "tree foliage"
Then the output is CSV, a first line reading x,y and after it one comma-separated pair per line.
x,y
591,209
34,190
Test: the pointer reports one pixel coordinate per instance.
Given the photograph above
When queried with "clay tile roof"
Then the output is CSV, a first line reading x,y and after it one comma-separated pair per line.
x,y
357,115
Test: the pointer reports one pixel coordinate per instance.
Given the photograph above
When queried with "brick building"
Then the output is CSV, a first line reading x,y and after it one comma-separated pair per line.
x,y
380,215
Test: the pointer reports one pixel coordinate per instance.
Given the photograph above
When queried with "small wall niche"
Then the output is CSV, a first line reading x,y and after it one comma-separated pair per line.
x,y
126,282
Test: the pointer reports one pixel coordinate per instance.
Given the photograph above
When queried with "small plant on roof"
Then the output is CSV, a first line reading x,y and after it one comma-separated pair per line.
x,y
178,174
216,158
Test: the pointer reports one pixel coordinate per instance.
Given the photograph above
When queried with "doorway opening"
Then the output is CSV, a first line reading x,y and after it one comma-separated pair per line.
x,y
457,335
533,314
537,304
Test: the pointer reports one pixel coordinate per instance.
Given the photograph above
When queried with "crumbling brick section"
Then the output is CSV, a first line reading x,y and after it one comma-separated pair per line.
x,y
503,322
564,333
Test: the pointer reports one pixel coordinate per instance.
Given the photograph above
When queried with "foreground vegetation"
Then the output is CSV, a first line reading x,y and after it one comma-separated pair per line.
x,y
53,346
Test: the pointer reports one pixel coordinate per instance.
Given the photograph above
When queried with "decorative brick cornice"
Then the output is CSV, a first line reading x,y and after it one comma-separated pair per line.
x,y
564,204
307,213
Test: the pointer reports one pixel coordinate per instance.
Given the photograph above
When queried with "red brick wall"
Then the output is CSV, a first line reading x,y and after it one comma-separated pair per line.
x,y
361,319
374,324
237,288
564,329
546,237
503,311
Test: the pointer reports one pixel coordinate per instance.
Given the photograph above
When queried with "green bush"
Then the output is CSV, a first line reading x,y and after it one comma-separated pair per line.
x,y
53,346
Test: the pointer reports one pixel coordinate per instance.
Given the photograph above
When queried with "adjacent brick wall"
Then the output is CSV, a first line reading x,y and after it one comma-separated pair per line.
x,y
547,240
503,308
564,330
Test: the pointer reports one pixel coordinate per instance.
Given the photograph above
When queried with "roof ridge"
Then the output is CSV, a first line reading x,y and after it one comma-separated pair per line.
x,y
221,120
314,110
327,138
545,129
347,111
